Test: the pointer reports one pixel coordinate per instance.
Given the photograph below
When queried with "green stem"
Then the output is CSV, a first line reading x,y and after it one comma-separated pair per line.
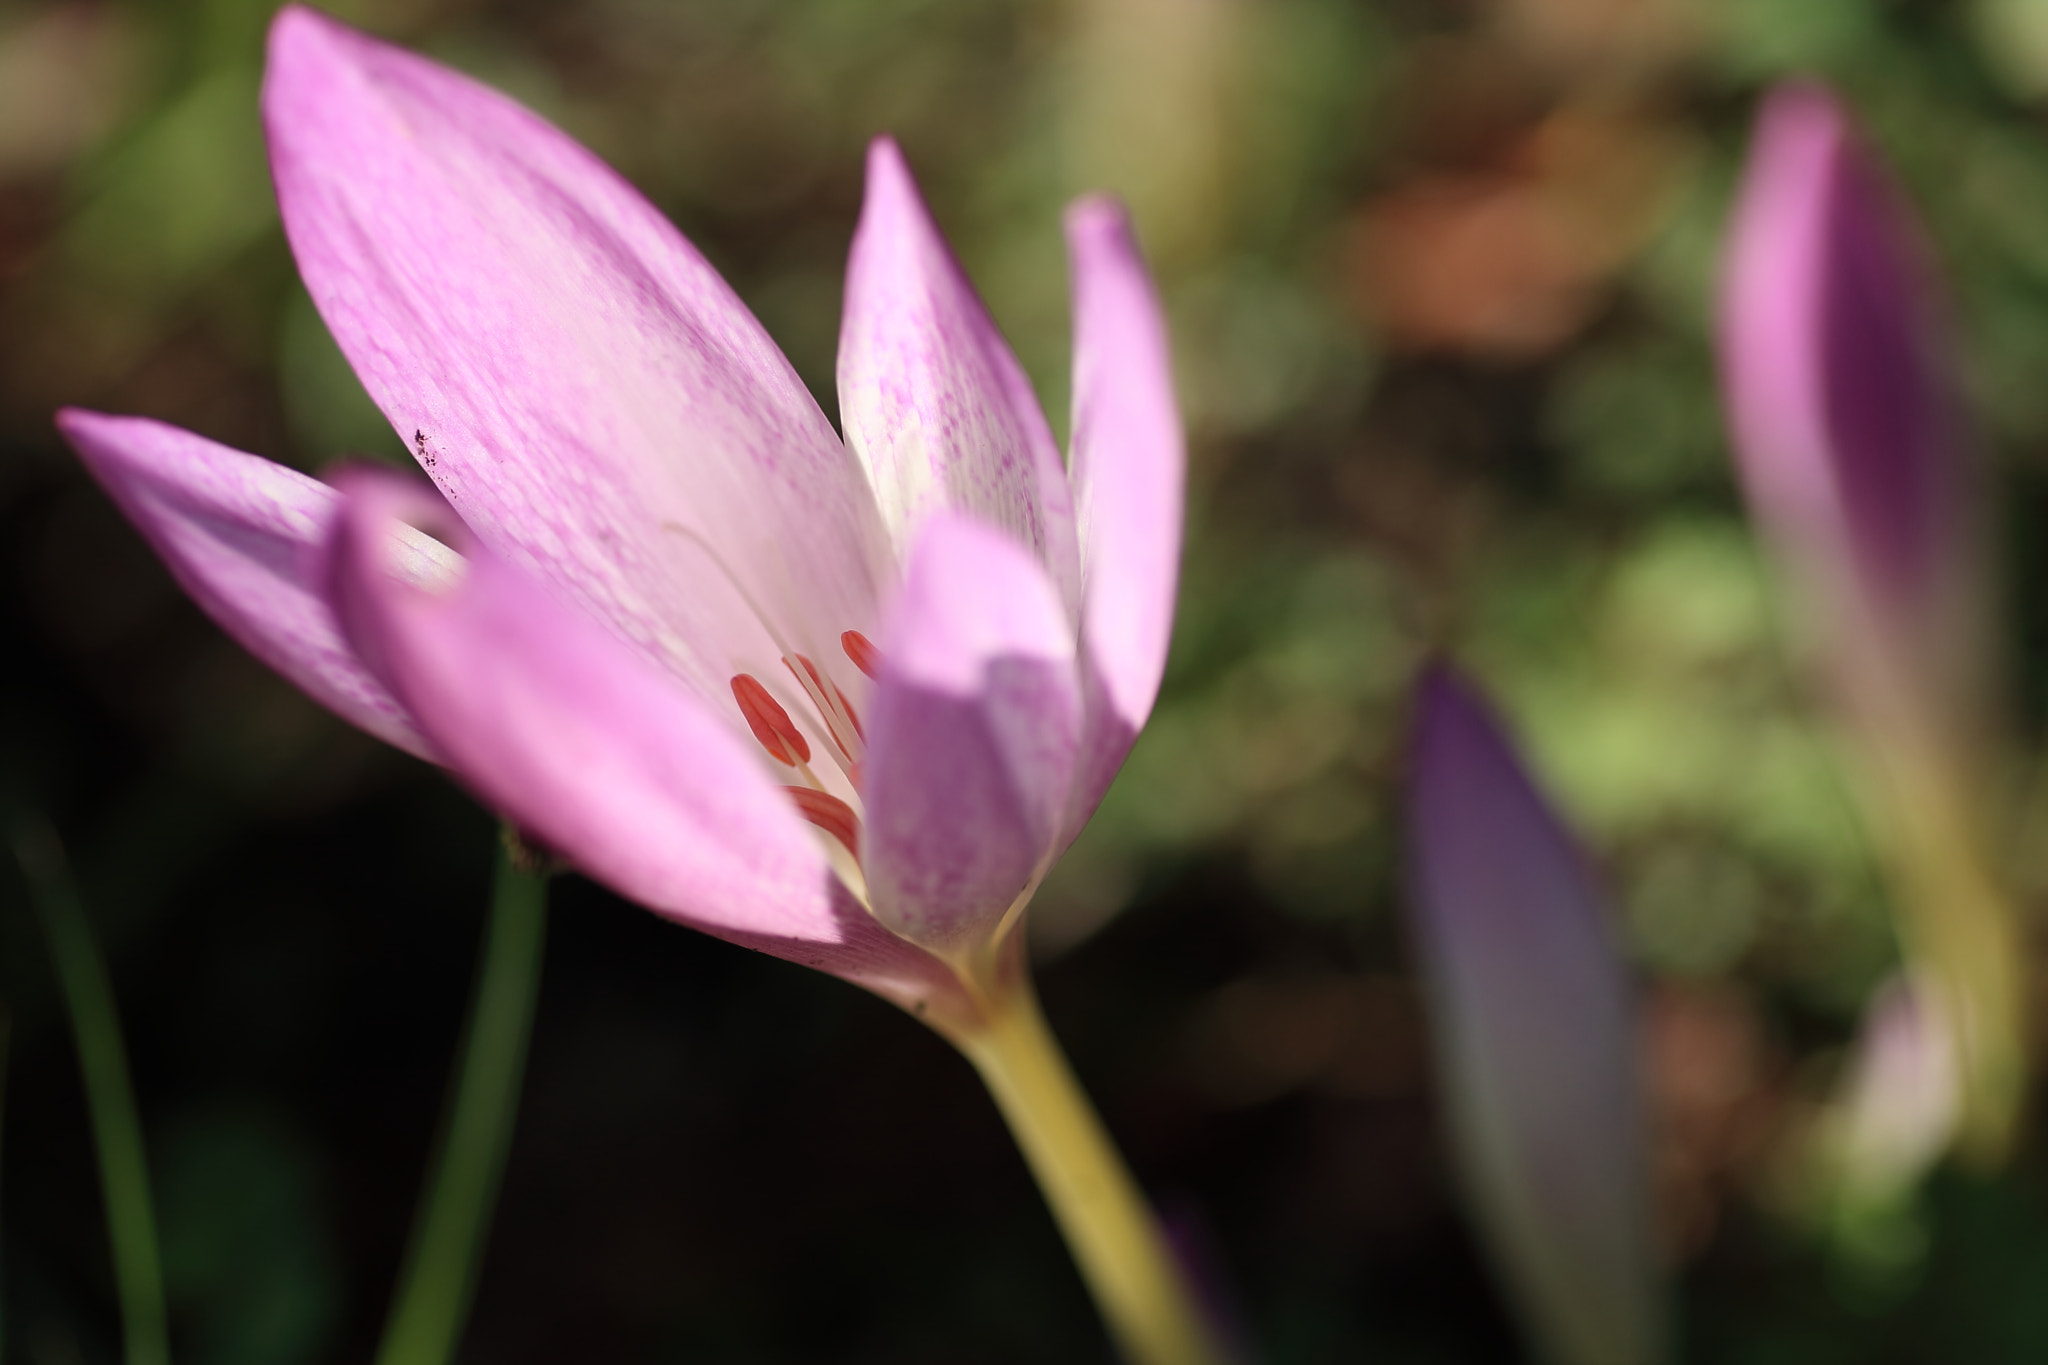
x,y
1960,925
110,1098
1151,1312
439,1277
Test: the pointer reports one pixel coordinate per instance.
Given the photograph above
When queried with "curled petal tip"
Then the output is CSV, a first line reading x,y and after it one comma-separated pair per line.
x,y
300,35
970,591
891,203
241,535
1802,108
888,170
1097,219
977,718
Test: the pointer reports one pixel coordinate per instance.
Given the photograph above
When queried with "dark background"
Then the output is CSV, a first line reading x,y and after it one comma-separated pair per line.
x,y
1440,278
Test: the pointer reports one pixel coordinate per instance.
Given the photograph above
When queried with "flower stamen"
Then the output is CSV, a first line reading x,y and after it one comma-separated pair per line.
x,y
841,724
830,814
769,722
785,743
862,652
765,716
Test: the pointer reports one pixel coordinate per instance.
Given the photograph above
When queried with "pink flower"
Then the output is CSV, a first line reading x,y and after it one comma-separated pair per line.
x,y
1851,451
1535,1034
1844,416
844,702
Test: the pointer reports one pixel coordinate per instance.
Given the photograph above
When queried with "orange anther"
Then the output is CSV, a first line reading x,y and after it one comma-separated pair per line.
x,y
828,813
862,651
769,722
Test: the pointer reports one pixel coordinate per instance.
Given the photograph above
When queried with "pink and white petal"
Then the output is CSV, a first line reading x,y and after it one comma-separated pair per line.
x,y
1129,473
933,402
236,531
588,393
600,756
977,715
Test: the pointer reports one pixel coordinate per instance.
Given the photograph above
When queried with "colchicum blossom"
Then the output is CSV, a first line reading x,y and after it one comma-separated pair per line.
x,y
841,701
1846,428
1535,1035
1850,447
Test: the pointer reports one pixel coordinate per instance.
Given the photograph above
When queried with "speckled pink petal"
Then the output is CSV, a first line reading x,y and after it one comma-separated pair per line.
x,y
1129,468
971,755
1536,1037
931,397
591,397
235,531
600,756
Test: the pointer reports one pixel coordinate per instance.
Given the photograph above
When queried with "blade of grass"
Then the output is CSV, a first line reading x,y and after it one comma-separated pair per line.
x,y
110,1098
438,1280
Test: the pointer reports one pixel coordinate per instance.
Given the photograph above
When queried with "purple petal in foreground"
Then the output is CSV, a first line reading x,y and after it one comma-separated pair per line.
x,y
1536,1038
933,402
591,397
574,738
1842,412
976,719
1129,468
238,533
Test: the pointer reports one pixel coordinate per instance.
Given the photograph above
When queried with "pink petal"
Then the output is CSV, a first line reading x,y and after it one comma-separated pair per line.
x,y
1901,1097
1535,1036
976,718
236,532
1841,409
1129,467
588,393
933,402
603,758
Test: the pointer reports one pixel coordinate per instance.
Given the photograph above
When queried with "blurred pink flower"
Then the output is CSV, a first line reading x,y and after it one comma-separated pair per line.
x,y
1851,452
1900,1099
1536,1038
844,702
1843,413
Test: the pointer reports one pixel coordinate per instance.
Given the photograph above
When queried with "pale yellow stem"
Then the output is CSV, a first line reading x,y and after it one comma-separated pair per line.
x,y
1153,1316
1960,926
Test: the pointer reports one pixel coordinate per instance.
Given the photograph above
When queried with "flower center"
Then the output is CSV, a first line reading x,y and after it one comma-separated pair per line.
x,y
832,714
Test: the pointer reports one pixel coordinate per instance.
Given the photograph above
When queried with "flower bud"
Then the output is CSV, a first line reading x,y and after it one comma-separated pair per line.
x,y
1536,1038
1843,418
